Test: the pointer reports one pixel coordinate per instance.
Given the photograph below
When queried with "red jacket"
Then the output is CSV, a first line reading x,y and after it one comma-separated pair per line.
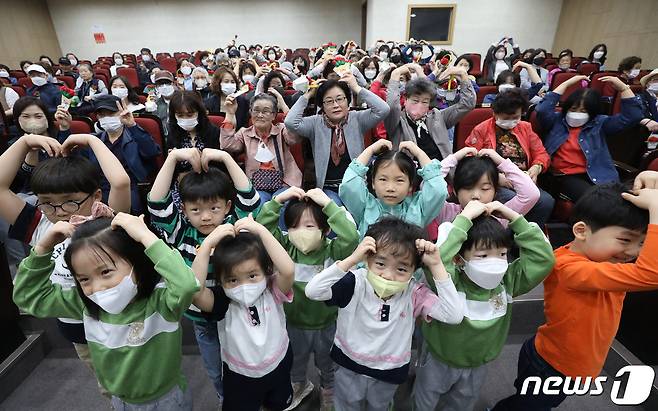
x,y
484,136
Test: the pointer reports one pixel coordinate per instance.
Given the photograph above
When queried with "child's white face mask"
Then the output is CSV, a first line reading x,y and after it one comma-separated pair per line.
x,y
246,294
115,299
486,272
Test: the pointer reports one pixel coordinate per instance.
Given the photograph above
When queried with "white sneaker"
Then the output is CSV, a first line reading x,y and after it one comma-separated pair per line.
x,y
299,392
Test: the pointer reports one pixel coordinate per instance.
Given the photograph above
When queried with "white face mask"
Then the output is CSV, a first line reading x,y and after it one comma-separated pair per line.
x,y
487,272
201,83
38,81
73,61
120,92
564,66
249,78
146,57
504,87
500,55
370,74
166,90
4,73
246,294
271,56
633,73
187,124
228,88
118,61
306,239
575,119
507,124
653,88
187,70
383,55
115,299
598,55
33,125
110,123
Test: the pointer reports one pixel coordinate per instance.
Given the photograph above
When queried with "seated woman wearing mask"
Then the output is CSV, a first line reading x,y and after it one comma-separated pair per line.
x,y
511,79
300,64
266,147
514,139
563,66
497,59
274,84
598,55
130,144
201,83
649,105
164,86
630,69
146,66
120,87
370,69
576,136
336,134
47,92
87,88
8,98
119,62
247,72
224,83
418,121
184,76
537,60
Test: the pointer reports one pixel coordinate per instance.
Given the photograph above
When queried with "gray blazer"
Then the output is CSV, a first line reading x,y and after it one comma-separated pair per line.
x,y
438,121
313,128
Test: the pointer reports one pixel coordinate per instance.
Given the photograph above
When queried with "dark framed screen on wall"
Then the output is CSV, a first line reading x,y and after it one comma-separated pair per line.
x,y
431,22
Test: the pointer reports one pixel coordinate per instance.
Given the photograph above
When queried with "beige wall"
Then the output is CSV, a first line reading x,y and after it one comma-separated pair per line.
x,y
26,32
627,27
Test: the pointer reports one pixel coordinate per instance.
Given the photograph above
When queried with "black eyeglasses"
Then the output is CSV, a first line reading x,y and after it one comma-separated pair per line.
x,y
69,206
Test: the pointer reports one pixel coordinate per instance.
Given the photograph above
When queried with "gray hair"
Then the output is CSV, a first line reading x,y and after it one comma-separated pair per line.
x,y
264,96
420,86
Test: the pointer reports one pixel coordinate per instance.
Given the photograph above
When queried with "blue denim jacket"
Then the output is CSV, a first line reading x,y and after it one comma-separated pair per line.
x,y
592,138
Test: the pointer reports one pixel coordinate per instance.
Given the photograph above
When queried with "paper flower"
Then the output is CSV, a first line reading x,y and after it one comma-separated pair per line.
x,y
67,92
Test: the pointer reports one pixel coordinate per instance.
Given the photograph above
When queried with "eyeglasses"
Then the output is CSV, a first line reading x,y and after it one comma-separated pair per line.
x,y
69,206
331,101
265,113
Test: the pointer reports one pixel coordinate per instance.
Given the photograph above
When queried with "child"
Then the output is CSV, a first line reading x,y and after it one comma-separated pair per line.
x,y
454,361
477,178
311,325
132,325
207,200
377,310
64,186
255,347
584,294
389,186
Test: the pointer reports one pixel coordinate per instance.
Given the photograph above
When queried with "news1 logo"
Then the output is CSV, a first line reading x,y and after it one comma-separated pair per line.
x,y
636,381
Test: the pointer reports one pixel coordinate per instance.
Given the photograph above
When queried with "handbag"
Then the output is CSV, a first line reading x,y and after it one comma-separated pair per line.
x,y
269,180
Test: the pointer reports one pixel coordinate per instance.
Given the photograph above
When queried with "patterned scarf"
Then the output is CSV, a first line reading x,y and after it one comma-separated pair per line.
x,y
337,138
420,124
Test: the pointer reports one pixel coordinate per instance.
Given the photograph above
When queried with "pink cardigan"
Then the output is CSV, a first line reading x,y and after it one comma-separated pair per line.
x,y
246,141
527,194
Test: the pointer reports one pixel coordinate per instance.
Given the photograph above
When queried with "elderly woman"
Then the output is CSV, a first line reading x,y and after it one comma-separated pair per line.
x,y
336,134
88,88
201,82
268,160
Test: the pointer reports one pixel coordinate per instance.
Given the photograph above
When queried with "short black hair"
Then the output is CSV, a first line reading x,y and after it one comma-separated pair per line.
x,y
505,75
295,209
265,96
145,49
328,85
398,237
628,62
487,232
468,59
470,170
510,101
401,159
132,95
603,206
565,52
211,185
270,76
231,251
590,99
63,175
97,237
419,86
24,62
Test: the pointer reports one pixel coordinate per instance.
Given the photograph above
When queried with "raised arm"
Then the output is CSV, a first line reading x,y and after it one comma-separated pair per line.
x,y
162,184
239,178
204,299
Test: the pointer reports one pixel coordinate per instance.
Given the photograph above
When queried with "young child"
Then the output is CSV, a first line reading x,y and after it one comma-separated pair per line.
x,y
388,190
256,276
477,178
207,199
309,216
378,305
584,294
64,186
453,363
131,324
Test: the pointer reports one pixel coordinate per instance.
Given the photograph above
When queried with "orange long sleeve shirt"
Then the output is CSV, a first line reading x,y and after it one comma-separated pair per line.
x,y
582,304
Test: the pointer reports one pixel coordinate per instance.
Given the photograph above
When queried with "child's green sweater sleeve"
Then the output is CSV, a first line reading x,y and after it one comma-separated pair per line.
x,y
347,236
37,295
181,284
269,218
535,261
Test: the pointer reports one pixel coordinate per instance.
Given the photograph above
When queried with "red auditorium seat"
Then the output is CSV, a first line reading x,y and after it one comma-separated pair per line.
x,y
560,78
476,70
169,64
468,123
82,125
25,82
588,68
19,90
67,80
130,74
483,91
153,126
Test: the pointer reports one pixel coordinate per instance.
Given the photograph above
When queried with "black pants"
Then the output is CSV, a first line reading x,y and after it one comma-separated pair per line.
x,y
572,185
273,390
530,365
